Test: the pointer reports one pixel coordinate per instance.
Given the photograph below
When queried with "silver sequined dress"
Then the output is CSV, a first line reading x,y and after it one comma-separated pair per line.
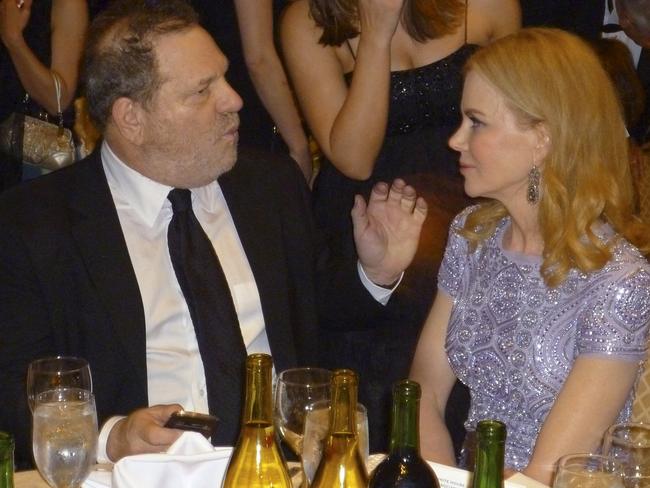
x,y
512,340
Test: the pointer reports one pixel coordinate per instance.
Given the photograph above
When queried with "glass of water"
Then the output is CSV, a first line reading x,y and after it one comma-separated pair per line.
x,y
64,436
588,471
317,427
629,443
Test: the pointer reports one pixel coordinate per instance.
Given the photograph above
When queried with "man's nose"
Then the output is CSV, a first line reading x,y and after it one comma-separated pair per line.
x,y
229,101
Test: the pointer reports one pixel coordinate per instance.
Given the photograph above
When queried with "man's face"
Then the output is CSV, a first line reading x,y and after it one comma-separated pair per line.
x,y
631,24
190,127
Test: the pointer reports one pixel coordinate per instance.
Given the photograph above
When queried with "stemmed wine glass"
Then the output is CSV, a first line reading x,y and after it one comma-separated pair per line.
x,y
57,372
64,435
296,389
629,443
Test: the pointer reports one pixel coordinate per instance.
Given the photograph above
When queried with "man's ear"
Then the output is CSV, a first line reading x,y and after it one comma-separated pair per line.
x,y
127,117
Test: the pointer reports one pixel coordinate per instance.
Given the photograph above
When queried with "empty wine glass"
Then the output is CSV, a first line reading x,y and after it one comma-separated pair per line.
x,y
317,424
57,372
588,471
64,436
295,390
629,443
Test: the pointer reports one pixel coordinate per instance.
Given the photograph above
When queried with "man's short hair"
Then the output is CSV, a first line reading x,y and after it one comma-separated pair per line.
x,y
120,60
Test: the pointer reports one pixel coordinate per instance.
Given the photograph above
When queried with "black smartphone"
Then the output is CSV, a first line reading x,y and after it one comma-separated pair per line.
x,y
196,422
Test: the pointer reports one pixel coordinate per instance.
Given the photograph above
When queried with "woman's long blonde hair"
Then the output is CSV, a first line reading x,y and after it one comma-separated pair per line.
x,y
551,77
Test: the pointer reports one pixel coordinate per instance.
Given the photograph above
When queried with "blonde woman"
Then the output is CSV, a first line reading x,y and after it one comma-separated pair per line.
x,y
543,304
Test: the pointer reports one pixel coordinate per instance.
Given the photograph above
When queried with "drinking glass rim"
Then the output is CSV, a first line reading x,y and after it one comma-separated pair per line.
x,y
83,363
561,463
624,441
301,383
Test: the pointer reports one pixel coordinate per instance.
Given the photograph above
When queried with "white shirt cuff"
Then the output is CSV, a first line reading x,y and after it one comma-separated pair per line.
x,y
379,293
102,441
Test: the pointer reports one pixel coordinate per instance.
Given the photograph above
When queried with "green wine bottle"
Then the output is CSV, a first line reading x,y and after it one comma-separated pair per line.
x,y
342,465
404,467
257,461
490,450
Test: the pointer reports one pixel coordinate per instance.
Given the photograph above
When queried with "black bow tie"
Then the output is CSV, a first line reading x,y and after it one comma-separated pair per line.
x,y
611,28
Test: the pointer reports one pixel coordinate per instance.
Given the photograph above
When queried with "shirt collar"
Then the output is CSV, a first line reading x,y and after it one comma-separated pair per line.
x,y
145,196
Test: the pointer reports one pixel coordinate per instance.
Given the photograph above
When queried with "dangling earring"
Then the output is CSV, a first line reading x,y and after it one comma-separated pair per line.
x,y
532,194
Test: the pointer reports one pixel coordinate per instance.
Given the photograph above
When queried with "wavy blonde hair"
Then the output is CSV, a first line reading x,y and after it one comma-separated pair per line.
x,y
551,77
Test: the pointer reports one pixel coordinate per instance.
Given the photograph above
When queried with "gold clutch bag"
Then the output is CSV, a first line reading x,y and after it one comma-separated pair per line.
x,y
37,141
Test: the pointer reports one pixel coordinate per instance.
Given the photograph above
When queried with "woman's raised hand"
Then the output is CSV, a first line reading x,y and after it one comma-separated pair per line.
x,y
14,15
379,18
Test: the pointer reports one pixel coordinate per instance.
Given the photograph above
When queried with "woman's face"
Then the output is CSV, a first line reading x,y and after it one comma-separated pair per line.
x,y
496,152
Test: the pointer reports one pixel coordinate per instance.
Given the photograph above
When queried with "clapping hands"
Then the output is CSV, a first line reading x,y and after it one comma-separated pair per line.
x,y
387,230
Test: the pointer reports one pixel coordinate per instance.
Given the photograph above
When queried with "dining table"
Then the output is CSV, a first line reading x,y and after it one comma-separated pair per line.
x,y
32,479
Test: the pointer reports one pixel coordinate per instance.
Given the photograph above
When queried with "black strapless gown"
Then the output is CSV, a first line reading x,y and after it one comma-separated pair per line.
x,y
423,113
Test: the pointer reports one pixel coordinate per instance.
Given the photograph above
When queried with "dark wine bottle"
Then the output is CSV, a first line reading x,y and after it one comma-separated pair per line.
x,y
490,450
404,467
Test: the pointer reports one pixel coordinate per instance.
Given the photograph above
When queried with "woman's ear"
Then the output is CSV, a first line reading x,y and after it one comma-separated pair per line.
x,y
543,146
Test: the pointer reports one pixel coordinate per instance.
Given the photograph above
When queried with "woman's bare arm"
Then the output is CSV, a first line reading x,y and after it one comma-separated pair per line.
x,y
69,21
255,19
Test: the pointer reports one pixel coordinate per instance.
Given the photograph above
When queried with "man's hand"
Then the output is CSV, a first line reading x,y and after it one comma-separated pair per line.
x,y
142,432
387,230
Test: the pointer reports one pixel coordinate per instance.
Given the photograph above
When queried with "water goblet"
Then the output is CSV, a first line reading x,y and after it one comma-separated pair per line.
x,y
64,436
588,471
317,424
57,372
295,390
629,443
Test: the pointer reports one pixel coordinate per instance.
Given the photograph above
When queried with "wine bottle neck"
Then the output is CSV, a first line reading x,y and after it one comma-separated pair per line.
x,y
404,426
258,407
490,451
344,410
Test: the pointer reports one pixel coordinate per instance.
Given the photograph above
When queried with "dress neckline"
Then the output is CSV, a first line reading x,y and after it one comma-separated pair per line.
x,y
446,58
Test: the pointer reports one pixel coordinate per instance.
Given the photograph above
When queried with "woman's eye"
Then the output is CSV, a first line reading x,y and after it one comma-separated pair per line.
x,y
475,122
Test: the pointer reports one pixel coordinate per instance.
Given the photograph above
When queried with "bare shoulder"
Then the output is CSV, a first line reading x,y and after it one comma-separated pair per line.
x,y
296,16
491,19
299,33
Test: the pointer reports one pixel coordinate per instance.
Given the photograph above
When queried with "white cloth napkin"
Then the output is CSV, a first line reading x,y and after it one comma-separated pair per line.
x,y
191,461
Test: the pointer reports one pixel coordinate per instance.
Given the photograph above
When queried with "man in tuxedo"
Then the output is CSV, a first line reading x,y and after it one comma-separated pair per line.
x,y
165,256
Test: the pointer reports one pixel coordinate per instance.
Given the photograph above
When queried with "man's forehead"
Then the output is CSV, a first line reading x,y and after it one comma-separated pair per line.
x,y
189,53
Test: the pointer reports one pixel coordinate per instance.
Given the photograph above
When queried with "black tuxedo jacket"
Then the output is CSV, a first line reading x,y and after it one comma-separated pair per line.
x,y
67,286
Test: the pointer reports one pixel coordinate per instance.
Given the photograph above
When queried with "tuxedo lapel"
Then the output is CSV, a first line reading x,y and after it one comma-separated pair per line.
x,y
260,231
98,235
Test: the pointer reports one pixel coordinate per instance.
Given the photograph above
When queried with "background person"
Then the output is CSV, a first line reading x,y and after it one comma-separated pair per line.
x,y
379,83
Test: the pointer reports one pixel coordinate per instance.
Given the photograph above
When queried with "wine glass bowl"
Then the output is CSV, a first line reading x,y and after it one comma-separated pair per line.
x,y
629,443
295,390
588,471
64,435
57,372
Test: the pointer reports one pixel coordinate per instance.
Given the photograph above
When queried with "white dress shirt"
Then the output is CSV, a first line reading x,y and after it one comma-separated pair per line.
x,y
174,368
